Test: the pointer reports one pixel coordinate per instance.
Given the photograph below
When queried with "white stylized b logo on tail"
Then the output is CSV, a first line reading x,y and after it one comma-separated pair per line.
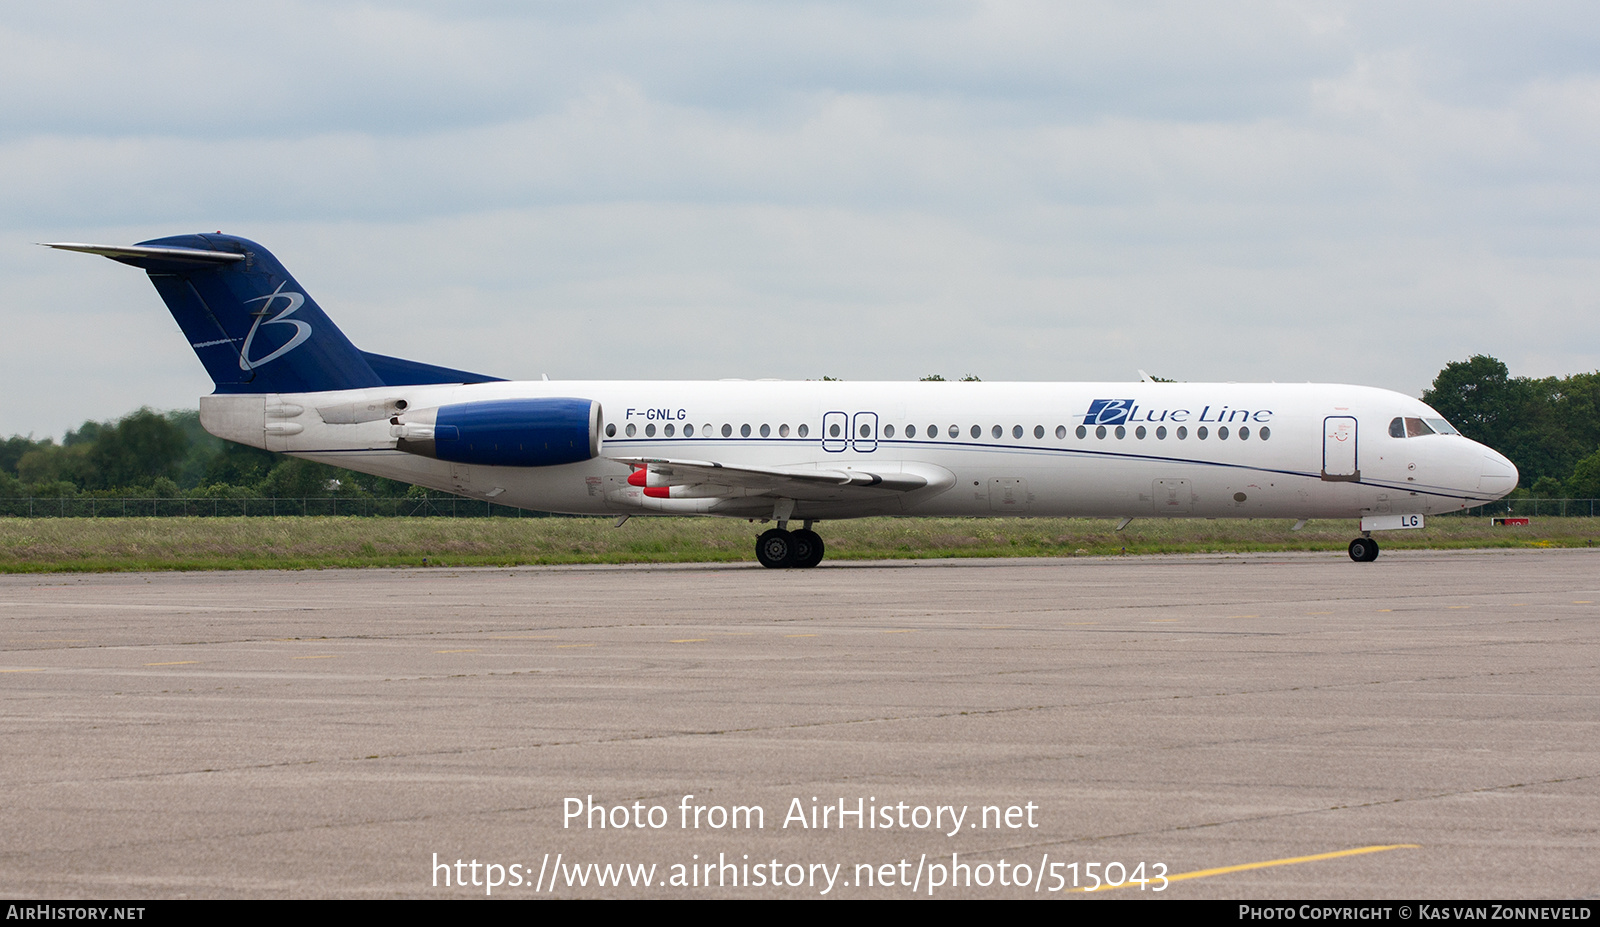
x,y
302,329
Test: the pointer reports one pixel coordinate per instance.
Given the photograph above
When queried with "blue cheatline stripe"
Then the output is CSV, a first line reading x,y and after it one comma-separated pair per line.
x,y
1440,492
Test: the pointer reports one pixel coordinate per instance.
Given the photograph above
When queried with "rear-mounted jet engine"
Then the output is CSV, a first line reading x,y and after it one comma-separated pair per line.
x,y
503,432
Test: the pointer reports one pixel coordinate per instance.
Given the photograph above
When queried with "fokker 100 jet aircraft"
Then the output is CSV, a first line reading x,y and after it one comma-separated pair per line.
x,y
288,380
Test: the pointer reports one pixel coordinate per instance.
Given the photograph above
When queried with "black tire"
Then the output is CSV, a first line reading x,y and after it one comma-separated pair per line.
x,y
1363,550
808,548
775,549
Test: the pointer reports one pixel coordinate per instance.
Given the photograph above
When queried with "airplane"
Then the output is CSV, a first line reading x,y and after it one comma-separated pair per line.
x,y
288,380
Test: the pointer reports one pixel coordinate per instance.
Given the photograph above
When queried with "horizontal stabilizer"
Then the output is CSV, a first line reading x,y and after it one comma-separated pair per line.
x,y
133,254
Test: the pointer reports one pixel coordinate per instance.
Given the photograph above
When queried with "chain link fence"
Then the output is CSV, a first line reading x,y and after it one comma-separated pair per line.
x,y
402,507
457,507
1530,508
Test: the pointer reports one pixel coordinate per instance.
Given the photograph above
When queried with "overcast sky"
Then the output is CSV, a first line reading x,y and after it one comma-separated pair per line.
x,y
1347,192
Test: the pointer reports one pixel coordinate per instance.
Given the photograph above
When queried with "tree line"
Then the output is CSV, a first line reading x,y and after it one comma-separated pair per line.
x,y
1549,427
168,456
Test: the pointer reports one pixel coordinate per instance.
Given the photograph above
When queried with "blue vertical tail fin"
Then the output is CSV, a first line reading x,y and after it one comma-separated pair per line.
x,y
253,326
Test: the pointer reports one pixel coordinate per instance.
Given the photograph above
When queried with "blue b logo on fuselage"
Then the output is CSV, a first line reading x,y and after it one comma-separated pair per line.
x,y
1108,412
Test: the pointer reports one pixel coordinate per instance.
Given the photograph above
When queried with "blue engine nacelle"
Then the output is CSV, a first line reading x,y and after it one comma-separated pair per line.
x,y
504,432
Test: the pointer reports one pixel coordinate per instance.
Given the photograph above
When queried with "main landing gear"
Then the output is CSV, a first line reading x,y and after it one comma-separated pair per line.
x,y
781,549
1364,550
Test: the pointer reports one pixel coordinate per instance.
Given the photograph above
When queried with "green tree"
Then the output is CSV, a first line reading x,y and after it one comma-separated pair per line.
x,y
1585,481
239,465
138,450
51,463
12,449
293,477
1478,396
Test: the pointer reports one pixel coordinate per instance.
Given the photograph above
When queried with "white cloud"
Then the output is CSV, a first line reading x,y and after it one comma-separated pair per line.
x,y
1261,190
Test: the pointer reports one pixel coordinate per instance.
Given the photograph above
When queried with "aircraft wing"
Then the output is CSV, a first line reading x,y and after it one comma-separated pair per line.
x,y
795,482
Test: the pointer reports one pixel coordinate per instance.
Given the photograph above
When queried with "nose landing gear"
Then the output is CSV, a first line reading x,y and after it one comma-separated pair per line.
x,y
1363,550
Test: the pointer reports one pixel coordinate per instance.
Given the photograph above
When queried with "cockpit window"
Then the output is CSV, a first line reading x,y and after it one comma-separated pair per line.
x,y
1417,427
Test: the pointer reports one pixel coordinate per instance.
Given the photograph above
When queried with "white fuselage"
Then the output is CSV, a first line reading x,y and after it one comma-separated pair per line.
x,y
1126,450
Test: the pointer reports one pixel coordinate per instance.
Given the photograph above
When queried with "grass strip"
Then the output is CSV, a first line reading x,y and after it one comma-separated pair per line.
x,y
38,545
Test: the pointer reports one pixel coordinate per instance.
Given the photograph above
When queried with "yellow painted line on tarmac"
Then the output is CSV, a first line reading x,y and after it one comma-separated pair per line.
x,y
1385,609
1458,606
690,640
1266,864
174,663
1582,602
40,670
522,637
901,631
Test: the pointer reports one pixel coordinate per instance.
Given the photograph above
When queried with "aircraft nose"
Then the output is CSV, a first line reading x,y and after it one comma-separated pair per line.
x,y
1497,476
